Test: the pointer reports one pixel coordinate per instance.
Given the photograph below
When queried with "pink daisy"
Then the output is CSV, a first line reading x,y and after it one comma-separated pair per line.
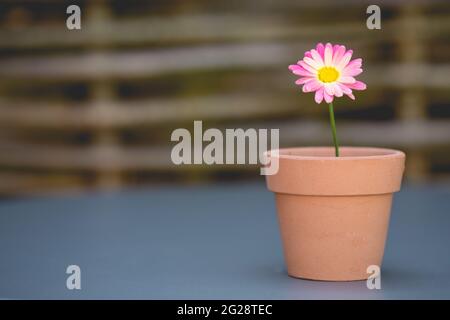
x,y
328,71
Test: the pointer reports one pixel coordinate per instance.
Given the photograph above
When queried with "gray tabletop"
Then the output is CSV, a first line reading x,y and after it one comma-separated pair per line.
x,y
202,243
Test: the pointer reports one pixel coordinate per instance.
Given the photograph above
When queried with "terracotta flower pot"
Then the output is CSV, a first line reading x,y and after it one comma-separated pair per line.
x,y
334,212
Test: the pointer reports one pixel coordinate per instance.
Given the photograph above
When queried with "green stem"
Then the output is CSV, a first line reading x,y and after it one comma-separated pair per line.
x,y
333,129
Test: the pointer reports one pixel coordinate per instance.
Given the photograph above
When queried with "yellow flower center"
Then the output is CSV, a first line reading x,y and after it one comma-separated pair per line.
x,y
328,74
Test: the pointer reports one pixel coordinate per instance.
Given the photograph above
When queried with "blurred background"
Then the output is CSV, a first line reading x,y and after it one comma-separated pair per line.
x,y
94,108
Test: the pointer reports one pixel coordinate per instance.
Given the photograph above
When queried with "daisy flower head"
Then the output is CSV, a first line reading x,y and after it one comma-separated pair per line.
x,y
328,71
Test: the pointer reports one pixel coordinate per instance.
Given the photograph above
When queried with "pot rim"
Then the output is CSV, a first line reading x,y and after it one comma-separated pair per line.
x,y
364,171
377,153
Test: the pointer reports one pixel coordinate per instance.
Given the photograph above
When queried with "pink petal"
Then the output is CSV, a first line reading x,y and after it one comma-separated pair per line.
x,y
338,54
298,70
316,56
355,63
308,54
328,57
352,71
313,63
344,61
353,68
327,97
351,96
358,85
344,88
337,90
335,48
329,89
302,81
307,67
346,79
320,49
302,72
319,96
313,85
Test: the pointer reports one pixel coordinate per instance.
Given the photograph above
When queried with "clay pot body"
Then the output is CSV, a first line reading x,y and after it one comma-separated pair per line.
x,y
333,212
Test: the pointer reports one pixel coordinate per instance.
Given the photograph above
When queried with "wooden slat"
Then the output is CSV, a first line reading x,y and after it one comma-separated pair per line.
x,y
144,63
415,135
182,28
98,115
136,113
419,134
98,158
129,65
12,184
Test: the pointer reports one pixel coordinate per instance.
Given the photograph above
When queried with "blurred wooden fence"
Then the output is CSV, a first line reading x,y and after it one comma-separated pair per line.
x,y
95,107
